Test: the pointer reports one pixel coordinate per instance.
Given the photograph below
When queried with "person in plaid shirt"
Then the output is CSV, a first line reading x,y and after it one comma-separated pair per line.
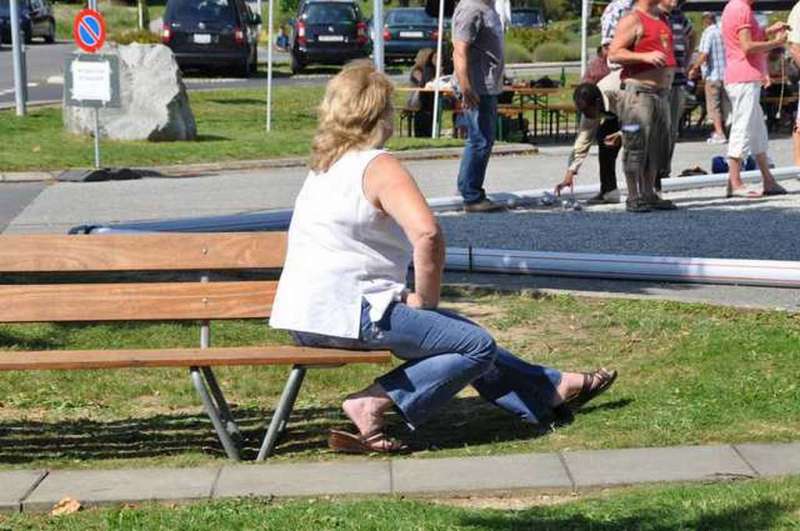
x,y
711,62
612,14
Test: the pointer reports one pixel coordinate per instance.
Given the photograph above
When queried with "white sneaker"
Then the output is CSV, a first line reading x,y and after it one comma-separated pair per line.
x,y
717,139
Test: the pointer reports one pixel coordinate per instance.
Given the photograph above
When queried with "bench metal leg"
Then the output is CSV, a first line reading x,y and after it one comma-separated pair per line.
x,y
282,412
222,405
214,414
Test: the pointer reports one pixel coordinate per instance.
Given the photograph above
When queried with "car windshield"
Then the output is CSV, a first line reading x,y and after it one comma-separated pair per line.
x,y
4,7
416,17
526,18
202,10
318,13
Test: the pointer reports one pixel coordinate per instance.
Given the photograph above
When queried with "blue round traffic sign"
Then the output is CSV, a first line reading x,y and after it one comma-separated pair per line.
x,y
89,30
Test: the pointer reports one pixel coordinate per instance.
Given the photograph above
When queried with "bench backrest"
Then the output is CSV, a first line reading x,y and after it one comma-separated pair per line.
x,y
137,301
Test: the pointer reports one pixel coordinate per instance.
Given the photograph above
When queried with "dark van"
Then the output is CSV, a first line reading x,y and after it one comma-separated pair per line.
x,y
328,32
212,34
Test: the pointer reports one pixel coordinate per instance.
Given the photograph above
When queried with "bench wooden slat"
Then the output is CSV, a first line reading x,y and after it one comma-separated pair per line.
x,y
111,359
136,302
141,252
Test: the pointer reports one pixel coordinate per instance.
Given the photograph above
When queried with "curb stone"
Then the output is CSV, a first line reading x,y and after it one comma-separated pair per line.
x,y
572,471
193,170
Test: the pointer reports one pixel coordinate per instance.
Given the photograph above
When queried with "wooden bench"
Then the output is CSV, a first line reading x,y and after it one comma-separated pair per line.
x,y
29,263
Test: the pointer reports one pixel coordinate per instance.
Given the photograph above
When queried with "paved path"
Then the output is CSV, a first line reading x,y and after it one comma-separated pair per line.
x,y
39,490
709,225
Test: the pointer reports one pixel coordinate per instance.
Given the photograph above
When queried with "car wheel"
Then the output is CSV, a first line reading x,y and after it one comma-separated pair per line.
x,y
297,66
50,38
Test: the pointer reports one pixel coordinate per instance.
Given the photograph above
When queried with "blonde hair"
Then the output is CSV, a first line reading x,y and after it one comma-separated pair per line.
x,y
355,113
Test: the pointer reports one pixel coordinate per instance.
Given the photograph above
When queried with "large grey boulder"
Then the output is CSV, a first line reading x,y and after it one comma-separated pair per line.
x,y
153,97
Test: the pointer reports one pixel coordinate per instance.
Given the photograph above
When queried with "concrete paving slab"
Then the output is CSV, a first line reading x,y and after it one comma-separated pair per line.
x,y
475,474
102,487
15,485
306,479
645,465
772,459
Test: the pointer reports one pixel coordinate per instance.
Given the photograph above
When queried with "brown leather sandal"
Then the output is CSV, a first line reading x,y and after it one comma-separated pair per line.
x,y
375,442
590,389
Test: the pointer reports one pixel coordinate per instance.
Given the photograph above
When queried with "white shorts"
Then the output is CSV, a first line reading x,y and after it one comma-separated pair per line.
x,y
748,129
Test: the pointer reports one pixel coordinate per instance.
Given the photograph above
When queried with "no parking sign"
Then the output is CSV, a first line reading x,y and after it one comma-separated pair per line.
x,y
89,30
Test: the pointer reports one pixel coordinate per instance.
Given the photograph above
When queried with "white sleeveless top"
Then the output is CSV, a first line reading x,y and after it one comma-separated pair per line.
x,y
341,250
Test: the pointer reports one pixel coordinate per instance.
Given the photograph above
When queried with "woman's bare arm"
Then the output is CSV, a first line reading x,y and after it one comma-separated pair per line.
x,y
389,186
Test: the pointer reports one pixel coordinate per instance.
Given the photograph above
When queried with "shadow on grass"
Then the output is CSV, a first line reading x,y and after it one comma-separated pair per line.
x,y
755,516
465,422
239,101
210,138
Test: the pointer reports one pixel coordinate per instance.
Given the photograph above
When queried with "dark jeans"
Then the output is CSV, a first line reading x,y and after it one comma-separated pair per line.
x,y
481,123
607,155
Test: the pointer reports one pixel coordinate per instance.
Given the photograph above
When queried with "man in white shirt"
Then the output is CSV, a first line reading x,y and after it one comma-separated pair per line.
x,y
794,49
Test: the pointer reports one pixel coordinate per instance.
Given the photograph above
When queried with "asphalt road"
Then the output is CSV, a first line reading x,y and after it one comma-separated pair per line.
x,y
14,197
45,70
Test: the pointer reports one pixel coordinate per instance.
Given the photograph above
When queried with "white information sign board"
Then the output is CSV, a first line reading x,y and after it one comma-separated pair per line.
x,y
91,81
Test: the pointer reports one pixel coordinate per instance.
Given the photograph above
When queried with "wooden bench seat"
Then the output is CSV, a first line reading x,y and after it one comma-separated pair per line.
x,y
180,357
31,295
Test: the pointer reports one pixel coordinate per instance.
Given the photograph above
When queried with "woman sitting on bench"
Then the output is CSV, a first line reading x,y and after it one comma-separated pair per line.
x,y
358,222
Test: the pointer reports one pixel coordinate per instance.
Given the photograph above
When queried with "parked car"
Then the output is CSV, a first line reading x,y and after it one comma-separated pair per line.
x,y
408,30
527,17
328,32
212,34
36,20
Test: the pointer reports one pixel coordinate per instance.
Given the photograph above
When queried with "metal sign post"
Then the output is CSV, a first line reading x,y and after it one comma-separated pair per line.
x,y
377,28
92,81
20,78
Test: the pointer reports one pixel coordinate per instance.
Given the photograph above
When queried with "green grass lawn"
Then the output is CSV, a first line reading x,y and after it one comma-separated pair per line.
x,y
689,374
741,506
230,124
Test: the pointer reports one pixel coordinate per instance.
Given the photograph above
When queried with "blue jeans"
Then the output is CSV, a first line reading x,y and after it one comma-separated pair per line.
x,y
481,123
444,353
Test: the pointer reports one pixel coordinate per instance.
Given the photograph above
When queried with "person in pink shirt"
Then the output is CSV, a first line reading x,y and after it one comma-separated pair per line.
x,y
746,46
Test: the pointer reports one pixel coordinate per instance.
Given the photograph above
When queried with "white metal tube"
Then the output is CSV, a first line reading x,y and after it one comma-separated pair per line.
x,y
97,138
20,77
585,6
269,67
377,25
773,273
435,130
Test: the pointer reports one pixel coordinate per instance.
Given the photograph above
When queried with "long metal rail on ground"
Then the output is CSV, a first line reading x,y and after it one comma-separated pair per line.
x,y
772,273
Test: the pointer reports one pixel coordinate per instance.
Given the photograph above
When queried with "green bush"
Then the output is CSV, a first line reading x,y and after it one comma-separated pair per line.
x,y
517,53
557,9
131,36
550,52
530,38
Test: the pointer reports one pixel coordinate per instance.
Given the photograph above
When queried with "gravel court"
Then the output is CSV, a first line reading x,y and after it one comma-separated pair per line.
x,y
707,225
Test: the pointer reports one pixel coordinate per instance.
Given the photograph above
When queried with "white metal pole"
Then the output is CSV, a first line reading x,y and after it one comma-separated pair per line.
x,y
585,5
20,77
774,273
377,25
269,69
435,131
97,138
